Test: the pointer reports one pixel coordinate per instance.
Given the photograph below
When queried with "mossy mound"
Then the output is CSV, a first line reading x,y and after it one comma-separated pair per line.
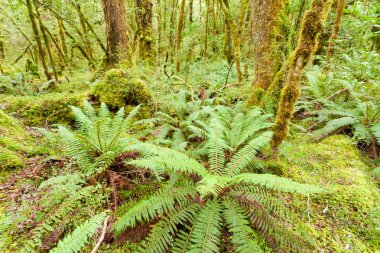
x,y
11,137
9,160
340,219
43,109
119,90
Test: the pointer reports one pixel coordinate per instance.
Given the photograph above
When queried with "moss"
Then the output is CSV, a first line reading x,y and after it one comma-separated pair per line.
x,y
335,164
9,160
44,109
118,90
312,25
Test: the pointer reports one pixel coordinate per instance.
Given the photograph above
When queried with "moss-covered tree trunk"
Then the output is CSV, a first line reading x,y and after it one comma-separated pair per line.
x,y
116,31
336,26
312,27
46,39
2,52
266,31
145,29
37,37
237,28
85,33
180,26
62,38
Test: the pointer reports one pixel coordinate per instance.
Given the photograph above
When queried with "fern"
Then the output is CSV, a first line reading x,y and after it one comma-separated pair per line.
x,y
100,138
214,190
75,241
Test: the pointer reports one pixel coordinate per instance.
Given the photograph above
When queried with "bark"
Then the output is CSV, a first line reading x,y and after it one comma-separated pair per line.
x,y
237,28
46,40
181,24
266,34
116,31
145,29
2,50
37,37
191,10
84,34
62,39
312,27
159,27
336,26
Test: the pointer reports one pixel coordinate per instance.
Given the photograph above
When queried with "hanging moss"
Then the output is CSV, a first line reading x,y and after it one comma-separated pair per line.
x,y
312,26
119,90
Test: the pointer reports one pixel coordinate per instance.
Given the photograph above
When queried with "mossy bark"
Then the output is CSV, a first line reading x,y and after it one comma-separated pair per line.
x,y
144,18
266,33
84,34
237,28
116,31
62,38
46,39
180,26
312,26
336,26
37,37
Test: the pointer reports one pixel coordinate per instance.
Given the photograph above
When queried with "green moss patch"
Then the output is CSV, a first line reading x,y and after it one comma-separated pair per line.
x,y
43,109
341,218
118,90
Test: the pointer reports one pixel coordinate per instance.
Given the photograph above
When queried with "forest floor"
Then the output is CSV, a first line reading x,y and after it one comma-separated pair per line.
x,y
342,219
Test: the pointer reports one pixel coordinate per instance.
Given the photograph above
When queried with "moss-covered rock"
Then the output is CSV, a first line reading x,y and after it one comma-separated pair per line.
x,y
340,219
118,90
43,109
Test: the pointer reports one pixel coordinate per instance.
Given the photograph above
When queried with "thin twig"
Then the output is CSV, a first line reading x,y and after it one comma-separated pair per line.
x,y
103,234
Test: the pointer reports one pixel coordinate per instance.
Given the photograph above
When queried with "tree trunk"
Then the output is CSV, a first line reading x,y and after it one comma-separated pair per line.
x,y
116,31
145,29
2,50
62,39
46,40
181,24
336,26
191,10
266,34
38,39
84,35
312,26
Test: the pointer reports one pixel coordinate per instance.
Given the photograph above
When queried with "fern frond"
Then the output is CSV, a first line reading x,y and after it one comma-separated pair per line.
x,y
212,185
160,237
276,183
336,124
77,240
237,224
244,156
206,234
216,145
161,159
162,202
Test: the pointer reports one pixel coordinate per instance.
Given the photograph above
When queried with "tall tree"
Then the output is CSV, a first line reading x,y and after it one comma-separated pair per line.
x,y
266,33
145,29
181,24
336,26
116,31
37,37
312,27
45,39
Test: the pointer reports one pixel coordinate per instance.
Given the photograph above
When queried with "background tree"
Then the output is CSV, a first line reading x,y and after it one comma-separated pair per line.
x,y
116,31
